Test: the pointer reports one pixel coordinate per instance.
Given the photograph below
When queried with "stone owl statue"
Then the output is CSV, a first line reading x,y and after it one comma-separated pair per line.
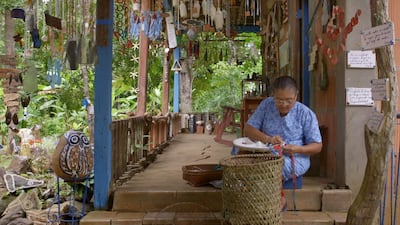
x,y
73,158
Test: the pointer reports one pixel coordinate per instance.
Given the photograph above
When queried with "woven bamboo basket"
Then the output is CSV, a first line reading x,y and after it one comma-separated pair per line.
x,y
251,185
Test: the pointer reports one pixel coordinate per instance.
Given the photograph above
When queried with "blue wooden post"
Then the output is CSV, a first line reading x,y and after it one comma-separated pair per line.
x,y
177,74
305,56
102,105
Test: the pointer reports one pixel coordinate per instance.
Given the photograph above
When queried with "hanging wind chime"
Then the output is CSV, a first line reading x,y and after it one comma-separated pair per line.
x,y
55,39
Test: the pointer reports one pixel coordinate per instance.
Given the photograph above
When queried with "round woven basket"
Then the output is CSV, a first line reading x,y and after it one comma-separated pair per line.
x,y
251,185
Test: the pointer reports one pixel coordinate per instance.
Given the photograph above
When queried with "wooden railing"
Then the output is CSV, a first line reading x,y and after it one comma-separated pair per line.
x,y
136,138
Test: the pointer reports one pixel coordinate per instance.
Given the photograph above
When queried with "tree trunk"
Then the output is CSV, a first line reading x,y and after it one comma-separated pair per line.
x,y
186,86
89,107
364,210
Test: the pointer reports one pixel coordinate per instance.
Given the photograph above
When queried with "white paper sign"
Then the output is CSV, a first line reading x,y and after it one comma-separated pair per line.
x,y
361,59
359,96
378,36
375,121
380,89
170,31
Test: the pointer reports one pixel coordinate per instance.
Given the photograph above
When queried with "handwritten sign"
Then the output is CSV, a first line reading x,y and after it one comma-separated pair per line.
x,y
359,96
361,59
375,121
380,89
378,36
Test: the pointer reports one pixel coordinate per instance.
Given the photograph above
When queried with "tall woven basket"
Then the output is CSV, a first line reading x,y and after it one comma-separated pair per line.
x,y
251,185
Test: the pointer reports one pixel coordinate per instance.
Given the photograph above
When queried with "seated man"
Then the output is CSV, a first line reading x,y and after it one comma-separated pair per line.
x,y
282,120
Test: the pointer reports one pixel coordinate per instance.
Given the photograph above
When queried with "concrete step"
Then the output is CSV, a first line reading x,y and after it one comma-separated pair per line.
x,y
203,218
306,199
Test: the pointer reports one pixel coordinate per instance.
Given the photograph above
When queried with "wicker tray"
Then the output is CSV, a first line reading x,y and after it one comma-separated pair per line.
x,y
201,174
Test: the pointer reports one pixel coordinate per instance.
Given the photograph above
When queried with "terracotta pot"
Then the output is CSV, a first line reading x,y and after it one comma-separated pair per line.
x,y
73,158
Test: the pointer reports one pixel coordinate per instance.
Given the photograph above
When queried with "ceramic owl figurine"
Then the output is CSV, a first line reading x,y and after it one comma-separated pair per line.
x,y
73,158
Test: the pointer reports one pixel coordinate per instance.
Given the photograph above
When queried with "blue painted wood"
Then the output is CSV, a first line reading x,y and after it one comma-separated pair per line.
x,y
306,62
102,120
177,56
247,29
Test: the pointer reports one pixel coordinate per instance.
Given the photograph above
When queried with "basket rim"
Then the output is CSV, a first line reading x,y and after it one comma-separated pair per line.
x,y
227,161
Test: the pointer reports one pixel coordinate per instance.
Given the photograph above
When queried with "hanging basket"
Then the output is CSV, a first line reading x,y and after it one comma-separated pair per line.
x,y
251,185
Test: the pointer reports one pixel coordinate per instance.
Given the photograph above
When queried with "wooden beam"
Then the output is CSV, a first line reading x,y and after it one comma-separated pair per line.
x,y
8,60
143,66
7,72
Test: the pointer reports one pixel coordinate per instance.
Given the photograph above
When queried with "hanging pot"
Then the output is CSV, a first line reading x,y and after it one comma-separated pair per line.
x,y
73,158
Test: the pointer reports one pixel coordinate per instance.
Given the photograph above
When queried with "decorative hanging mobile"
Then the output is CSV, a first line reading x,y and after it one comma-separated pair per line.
x,y
72,54
54,28
150,22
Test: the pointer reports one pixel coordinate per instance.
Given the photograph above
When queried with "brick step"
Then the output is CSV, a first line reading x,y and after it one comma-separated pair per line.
x,y
202,218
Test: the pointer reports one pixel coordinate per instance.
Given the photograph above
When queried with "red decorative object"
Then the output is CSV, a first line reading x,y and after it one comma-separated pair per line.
x,y
337,30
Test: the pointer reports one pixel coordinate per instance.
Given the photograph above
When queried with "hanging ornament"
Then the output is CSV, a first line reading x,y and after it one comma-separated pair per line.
x,y
136,6
54,72
219,19
212,12
175,3
18,14
25,102
30,84
182,9
52,21
204,7
196,9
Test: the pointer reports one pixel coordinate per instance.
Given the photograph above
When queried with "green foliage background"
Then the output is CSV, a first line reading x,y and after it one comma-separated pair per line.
x,y
217,79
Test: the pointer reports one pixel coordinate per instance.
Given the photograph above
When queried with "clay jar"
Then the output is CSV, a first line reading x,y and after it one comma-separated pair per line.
x,y
73,158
